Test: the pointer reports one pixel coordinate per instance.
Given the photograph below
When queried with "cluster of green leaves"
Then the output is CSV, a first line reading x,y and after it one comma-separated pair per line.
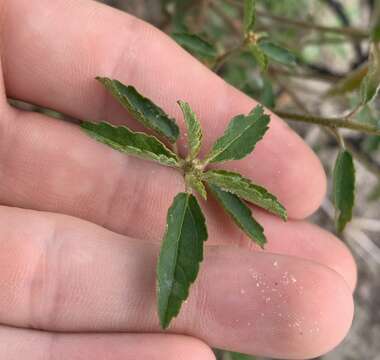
x,y
257,44
186,231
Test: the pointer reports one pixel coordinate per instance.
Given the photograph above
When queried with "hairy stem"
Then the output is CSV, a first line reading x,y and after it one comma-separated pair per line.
x,y
281,20
338,122
221,60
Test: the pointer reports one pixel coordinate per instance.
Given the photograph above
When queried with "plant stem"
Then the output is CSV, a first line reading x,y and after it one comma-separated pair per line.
x,y
220,60
345,31
338,122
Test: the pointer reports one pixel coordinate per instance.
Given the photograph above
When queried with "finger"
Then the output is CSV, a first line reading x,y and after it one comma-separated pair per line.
x,y
72,174
293,238
98,40
63,274
38,345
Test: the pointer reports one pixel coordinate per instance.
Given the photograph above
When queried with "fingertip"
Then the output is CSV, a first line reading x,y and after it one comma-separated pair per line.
x,y
275,306
190,348
329,312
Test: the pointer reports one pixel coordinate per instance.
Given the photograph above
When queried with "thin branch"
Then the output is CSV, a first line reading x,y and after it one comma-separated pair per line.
x,y
222,59
344,31
303,75
338,122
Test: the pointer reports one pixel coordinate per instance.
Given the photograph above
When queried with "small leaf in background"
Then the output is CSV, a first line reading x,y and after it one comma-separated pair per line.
x,y
375,30
194,131
375,33
180,255
277,53
245,189
249,15
142,109
195,45
240,213
259,55
366,116
196,183
344,188
132,143
371,82
371,143
239,356
349,82
267,97
240,137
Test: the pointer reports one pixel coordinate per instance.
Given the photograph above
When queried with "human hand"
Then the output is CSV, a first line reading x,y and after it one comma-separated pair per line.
x,y
81,224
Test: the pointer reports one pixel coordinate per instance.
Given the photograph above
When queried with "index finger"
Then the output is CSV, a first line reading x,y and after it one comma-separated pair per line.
x,y
54,49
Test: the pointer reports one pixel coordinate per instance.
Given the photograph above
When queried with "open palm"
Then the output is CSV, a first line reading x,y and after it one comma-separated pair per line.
x,y
80,224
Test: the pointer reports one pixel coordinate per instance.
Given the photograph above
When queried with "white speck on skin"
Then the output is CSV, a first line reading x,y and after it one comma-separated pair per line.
x,y
267,300
242,291
275,264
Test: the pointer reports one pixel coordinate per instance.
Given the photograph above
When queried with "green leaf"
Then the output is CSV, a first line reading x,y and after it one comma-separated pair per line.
x,y
194,131
349,83
132,143
344,188
239,356
259,55
371,82
180,255
196,183
249,15
142,109
246,189
277,53
371,143
240,137
195,45
375,30
240,213
267,96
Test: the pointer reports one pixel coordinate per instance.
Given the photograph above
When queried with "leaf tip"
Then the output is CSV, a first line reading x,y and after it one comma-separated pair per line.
x,y
164,322
101,79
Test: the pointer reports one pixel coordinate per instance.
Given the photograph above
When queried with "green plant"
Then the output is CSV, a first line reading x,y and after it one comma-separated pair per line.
x,y
186,231
254,40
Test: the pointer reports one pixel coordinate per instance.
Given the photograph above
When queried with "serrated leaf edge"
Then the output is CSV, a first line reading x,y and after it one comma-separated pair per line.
x,y
133,151
109,84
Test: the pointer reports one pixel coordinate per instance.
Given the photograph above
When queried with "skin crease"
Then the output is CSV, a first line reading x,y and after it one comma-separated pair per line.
x,y
107,347
59,273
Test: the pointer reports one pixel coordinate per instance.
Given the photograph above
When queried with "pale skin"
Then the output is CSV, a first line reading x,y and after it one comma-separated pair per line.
x,y
80,224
